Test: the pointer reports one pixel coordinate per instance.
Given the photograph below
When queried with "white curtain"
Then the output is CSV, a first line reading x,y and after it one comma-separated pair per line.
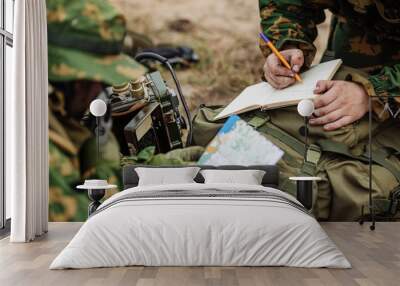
x,y
27,124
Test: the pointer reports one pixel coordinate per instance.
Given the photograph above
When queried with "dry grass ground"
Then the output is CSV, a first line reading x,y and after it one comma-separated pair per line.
x,y
223,33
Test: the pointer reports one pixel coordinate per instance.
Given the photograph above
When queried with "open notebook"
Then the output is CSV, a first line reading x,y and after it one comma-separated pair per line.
x,y
264,96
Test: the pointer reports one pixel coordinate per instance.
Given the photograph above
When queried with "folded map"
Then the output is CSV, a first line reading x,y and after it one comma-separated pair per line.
x,y
237,143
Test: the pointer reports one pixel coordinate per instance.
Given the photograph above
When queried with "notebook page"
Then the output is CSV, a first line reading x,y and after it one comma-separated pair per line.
x,y
301,90
250,98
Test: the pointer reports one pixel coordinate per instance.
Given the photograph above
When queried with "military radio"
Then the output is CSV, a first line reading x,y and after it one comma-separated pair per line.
x,y
145,112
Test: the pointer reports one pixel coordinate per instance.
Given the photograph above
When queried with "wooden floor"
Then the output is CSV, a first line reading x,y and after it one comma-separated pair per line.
x,y
375,257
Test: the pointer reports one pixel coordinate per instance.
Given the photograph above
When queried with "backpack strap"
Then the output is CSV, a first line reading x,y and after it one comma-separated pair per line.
x,y
339,148
312,155
260,123
282,136
379,156
391,151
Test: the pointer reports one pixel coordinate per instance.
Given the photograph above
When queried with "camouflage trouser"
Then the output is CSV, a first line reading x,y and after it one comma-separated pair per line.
x,y
66,203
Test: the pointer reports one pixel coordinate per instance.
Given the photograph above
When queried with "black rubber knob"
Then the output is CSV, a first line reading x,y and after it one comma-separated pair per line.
x,y
302,130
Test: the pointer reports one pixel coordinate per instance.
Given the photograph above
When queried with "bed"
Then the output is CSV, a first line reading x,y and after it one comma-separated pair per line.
x,y
198,224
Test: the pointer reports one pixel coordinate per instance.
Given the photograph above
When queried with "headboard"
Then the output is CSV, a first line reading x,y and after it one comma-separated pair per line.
x,y
271,179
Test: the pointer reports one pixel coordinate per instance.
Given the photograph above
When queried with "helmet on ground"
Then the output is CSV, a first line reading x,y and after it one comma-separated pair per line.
x,y
85,41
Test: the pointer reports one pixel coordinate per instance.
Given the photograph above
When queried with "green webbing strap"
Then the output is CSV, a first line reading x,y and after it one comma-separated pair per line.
x,y
313,152
311,161
390,151
283,137
378,156
257,121
261,124
339,148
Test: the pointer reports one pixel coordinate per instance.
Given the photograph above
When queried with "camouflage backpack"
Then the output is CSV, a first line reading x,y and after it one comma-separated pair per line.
x,y
339,157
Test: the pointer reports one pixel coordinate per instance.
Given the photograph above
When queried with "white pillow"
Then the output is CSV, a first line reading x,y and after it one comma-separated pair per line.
x,y
166,176
247,177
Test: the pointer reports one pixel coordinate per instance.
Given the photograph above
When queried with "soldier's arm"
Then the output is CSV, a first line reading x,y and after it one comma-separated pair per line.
x,y
291,24
387,82
385,85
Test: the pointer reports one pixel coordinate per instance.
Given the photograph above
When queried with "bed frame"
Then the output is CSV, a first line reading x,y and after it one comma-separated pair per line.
x,y
271,178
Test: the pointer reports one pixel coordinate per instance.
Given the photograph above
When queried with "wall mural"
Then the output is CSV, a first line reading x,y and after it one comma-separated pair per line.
x,y
163,78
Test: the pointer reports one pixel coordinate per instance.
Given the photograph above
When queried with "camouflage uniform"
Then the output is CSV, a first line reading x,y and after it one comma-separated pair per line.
x,y
178,157
365,34
85,43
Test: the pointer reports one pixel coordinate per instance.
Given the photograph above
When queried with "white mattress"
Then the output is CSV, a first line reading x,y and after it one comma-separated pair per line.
x,y
191,231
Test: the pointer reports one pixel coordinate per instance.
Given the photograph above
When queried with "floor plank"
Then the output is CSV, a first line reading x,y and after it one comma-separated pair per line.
x,y
375,257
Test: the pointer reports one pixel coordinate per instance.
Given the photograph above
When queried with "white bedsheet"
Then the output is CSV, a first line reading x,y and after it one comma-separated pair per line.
x,y
200,231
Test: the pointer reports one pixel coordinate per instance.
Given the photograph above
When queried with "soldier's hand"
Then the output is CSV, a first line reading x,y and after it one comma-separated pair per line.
x,y
338,103
277,74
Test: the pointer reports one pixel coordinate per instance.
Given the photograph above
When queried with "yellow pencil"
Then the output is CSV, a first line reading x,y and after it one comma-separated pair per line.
x,y
279,55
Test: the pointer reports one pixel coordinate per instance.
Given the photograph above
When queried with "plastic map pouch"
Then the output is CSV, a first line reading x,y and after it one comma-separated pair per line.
x,y
238,143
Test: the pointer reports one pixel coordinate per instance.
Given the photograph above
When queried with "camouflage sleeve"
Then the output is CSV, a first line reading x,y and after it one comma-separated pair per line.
x,y
385,85
291,24
178,157
387,82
